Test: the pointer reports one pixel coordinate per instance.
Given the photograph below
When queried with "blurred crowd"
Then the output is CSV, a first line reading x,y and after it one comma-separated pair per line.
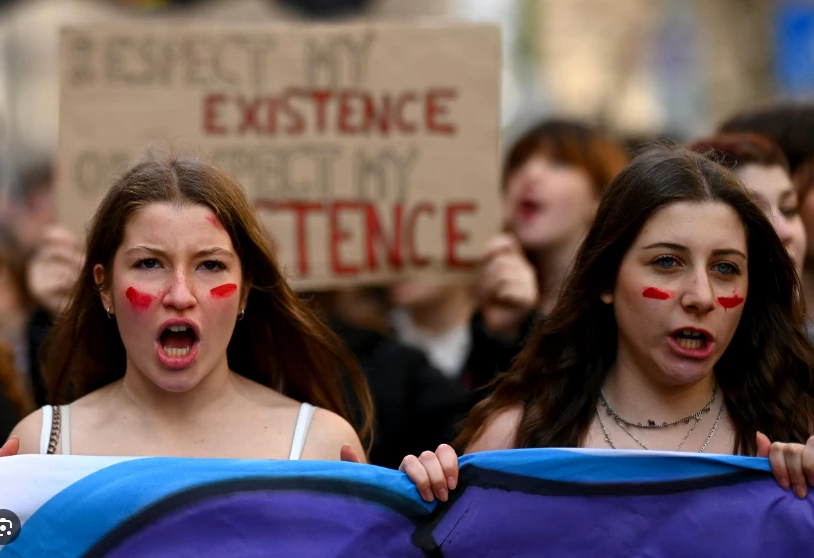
x,y
429,350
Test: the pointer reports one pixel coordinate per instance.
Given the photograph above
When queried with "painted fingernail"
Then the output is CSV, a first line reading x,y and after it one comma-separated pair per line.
x,y
800,492
452,483
427,495
443,494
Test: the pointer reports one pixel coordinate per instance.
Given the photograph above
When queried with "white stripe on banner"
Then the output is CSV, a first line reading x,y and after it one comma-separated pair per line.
x,y
65,470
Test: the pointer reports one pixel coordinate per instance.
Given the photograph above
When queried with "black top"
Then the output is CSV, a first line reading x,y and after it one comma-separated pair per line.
x,y
417,407
39,326
8,418
490,355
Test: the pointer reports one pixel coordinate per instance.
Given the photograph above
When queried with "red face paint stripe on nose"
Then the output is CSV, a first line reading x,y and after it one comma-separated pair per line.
x,y
730,301
139,301
658,294
224,290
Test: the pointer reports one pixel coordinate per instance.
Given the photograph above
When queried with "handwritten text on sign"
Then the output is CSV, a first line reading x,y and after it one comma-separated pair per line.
x,y
370,152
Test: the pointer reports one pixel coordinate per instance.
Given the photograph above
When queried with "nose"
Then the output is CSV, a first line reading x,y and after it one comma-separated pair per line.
x,y
698,296
781,227
180,295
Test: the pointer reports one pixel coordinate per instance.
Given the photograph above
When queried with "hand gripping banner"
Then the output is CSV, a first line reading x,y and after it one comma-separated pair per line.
x,y
511,503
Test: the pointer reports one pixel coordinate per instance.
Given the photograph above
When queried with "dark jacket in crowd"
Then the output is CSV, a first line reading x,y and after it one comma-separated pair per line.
x,y
490,355
8,418
39,326
417,407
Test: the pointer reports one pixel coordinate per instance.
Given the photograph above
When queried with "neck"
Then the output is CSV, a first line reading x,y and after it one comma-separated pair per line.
x,y
808,287
639,399
553,264
214,392
449,311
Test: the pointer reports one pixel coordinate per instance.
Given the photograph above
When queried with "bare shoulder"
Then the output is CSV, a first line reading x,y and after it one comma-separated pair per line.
x,y
29,431
326,436
263,395
500,432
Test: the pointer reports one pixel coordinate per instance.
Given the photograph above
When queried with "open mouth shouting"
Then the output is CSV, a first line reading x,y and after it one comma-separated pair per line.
x,y
692,342
177,343
528,209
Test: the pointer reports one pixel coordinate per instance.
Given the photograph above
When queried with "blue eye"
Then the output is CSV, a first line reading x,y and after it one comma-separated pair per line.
x,y
727,268
213,265
147,263
665,262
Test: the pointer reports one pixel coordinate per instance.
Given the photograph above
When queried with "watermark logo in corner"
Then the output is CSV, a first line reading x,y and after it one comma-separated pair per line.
x,y
9,526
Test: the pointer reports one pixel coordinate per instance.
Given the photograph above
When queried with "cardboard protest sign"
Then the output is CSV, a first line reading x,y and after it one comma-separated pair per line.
x,y
370,151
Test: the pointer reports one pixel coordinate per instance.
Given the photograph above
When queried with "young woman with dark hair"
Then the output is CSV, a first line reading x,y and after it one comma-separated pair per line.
x,y
679,328
182,337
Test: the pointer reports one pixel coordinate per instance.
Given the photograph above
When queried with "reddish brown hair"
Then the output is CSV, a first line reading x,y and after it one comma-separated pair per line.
x,y
280,343
791,126
737,150
574,143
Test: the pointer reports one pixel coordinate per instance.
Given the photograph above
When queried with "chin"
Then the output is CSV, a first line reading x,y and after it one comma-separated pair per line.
x,y
684,373
176,381
538,236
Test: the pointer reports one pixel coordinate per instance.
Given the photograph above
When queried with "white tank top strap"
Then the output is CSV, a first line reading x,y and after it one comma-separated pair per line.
x,y
66,429
301,430
47,420
48,425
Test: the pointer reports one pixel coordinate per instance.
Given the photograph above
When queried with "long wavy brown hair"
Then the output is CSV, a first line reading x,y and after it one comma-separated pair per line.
x,y
280,343
766,372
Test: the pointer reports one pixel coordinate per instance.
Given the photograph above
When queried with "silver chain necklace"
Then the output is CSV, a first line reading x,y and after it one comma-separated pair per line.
x,y
651,423
711,432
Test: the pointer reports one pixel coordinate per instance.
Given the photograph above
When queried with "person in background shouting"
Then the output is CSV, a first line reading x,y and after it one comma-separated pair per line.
x,y
553,178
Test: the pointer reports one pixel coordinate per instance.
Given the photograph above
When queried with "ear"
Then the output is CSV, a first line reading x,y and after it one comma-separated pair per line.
x,y
99,277
244,294
606,297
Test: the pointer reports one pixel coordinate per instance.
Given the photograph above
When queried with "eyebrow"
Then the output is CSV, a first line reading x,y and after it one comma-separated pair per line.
x,y
680,248
215,251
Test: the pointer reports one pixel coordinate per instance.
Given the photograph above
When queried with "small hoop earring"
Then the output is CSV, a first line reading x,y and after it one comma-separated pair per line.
x,y
109,315
242,313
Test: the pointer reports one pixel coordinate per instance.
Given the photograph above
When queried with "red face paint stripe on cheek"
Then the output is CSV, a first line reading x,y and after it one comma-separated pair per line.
x,y
658,294
730,301
139,301
224,290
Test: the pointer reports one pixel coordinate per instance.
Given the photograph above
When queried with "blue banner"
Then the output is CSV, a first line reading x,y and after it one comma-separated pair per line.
x,y
511,503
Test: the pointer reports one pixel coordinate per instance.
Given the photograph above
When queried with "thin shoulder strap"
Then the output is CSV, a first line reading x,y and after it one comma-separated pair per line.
x,y
301,430
45,436
66,429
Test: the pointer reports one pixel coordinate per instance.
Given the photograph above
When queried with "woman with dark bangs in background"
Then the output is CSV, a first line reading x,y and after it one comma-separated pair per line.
x,y
553,177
